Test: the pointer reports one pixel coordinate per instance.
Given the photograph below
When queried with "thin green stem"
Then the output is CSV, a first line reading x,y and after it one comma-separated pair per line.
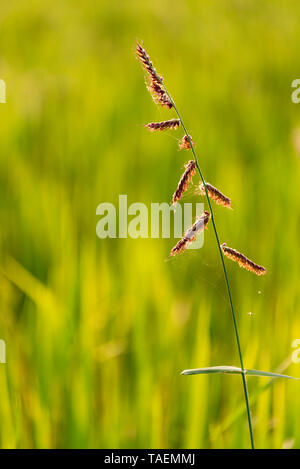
x,y
225,274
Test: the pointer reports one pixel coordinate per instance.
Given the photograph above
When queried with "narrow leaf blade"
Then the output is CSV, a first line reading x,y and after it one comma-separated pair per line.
x,y
268,374
234,371
213,369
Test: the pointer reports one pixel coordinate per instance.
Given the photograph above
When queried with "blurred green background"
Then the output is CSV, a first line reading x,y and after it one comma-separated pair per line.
x,y
98,331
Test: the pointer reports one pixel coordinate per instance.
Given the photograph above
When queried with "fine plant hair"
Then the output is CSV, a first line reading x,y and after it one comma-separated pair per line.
x,y
162,97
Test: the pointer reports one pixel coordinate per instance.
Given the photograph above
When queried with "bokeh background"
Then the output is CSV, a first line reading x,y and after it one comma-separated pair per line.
x,y
98,331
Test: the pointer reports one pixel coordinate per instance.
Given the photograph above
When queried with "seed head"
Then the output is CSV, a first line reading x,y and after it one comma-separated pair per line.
x,y
154,81
215,194
164,125
145,60
184,143
184,181
242,260
190,235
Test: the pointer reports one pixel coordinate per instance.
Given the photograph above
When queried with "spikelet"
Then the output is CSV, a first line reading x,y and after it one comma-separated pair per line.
x,y
155,81
158,94
184,180
190,235
179,247
184,143
215,194
242,260
145,60
164,125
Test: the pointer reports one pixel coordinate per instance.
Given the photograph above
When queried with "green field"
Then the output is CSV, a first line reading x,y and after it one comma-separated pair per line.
x,y
98,331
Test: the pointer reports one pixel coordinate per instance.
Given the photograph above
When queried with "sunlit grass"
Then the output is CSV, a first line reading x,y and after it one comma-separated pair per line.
x,y
97,331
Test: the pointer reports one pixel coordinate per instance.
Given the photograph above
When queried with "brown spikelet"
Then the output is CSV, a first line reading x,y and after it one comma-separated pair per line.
x,y
242,260
154,80
184,143
158,94
145,60
179,247
215,194
164,125
184,180
190,235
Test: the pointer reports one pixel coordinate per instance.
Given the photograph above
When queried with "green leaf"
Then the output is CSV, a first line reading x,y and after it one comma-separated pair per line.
x,y
235,371
213,369
268,374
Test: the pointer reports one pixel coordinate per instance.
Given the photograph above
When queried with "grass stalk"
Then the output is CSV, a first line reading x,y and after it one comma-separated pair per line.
x,y
244,380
